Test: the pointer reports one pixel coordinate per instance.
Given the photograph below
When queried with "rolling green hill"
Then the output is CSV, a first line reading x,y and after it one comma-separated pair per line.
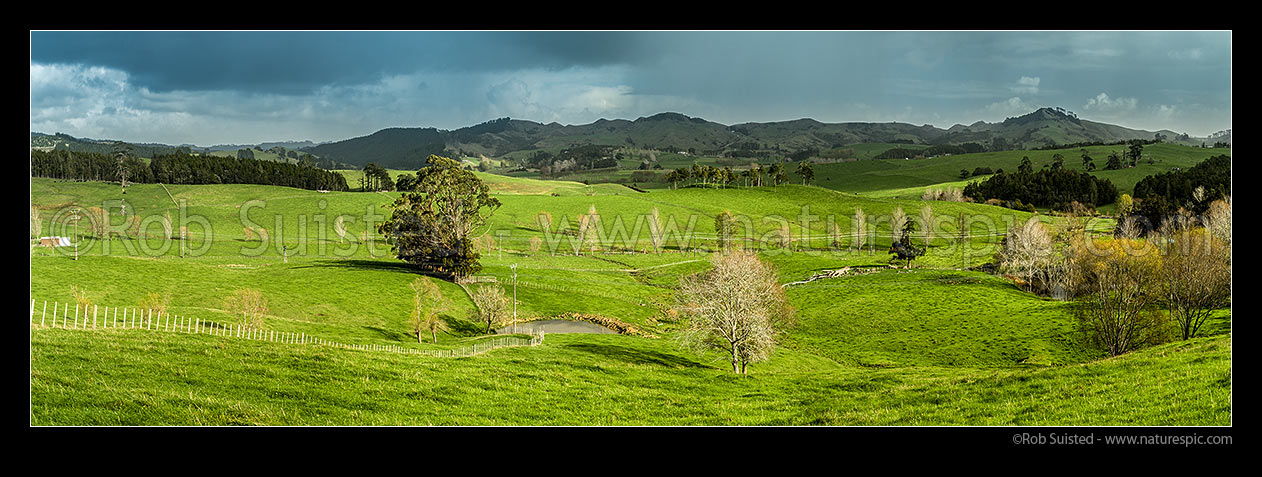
x,y
932,345
909,178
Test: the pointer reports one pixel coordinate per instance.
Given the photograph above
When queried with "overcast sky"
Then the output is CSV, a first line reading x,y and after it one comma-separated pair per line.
x,y
217,87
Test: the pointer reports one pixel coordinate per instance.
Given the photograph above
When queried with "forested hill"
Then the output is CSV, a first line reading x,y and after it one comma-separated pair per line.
x,y
406,148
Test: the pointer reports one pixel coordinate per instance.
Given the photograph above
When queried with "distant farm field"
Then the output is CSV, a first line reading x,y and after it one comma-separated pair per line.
x,y
934,344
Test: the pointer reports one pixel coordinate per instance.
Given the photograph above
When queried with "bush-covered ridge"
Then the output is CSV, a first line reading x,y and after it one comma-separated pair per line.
x,y
182,169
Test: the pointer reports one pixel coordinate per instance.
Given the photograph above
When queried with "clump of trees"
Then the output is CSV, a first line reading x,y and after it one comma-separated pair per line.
x,y
581,157
737,308
1178,187
432,227
950,194
1044,188
1129,291
1177,199
701,174
806,171
376,178
900,153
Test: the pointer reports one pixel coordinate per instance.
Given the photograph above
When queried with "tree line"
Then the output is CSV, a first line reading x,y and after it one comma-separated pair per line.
x,y
1130,291
181,168
1178,187
776,174
1055,188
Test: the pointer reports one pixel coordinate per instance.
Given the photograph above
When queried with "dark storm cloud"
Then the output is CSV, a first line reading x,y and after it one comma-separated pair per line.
x,y
207,87
298,62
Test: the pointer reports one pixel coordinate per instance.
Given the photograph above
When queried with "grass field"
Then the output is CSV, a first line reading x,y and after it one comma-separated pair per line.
x,y
135,378
934,345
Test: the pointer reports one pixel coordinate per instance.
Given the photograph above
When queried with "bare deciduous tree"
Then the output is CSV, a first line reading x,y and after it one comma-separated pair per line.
x,y
80,296
928,221
1115,312
545,220
98,221
592,235
168,227
155,301
961,238
249,305
725,228
1218,219
897,220
339,228
427,300
36,224
738,307
1195,278
493,306
860,229
1129,228
834,233
1027,250
655,230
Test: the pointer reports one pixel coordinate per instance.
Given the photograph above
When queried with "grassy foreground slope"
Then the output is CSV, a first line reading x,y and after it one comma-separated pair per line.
x,y
138,378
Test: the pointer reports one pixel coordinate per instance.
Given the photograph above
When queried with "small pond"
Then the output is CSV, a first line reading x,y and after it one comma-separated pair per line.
x,y
556,326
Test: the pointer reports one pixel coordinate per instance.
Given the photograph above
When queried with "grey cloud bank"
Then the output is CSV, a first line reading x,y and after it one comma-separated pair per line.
x,y
235,87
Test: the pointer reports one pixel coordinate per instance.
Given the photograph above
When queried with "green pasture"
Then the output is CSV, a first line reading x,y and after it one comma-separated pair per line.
x,y
934,344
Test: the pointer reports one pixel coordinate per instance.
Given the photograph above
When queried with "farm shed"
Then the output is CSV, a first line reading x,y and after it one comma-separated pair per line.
x,y
54,241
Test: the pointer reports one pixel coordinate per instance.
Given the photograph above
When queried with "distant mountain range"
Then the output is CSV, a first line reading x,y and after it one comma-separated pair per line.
x,y
407,147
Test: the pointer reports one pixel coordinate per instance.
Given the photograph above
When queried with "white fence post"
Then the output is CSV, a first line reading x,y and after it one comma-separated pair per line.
x,y
93,316
196,325
76,316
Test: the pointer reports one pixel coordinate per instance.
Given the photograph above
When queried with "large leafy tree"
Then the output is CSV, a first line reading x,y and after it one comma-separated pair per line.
x,y
433,226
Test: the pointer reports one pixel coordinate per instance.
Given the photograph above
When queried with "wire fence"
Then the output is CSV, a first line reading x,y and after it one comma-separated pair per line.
x,y
133,318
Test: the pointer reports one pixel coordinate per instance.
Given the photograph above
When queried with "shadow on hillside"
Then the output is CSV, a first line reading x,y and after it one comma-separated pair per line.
x,y
377,265
1218,325
461,327
391,335
635,356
